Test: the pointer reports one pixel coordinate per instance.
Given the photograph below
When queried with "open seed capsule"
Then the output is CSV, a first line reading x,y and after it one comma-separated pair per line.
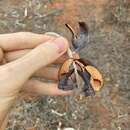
x,y
96,79
90,75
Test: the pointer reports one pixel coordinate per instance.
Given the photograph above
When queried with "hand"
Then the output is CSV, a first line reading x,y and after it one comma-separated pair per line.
x,y
23,55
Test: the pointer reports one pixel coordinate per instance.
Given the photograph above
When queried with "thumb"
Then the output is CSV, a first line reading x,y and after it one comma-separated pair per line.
x,y
20,70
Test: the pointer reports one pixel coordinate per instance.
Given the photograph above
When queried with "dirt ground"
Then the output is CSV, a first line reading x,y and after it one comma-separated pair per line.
x,y
109,50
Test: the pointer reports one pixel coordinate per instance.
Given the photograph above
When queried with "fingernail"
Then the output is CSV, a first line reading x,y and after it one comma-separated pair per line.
x,y
52,34
61,43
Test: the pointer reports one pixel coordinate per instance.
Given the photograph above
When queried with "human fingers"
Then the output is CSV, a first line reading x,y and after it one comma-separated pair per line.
x,y
18,71
13,55
22,40
4,123
50,73
41,88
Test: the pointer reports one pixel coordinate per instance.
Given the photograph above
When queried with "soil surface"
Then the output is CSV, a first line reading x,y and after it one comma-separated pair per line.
x,y
109,50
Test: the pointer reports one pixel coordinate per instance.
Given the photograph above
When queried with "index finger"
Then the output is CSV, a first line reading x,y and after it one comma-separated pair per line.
x,y
22,40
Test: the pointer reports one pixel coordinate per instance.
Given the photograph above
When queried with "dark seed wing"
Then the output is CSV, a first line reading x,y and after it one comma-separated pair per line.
x,y
83,27
82,38
85,62
88,89
66,82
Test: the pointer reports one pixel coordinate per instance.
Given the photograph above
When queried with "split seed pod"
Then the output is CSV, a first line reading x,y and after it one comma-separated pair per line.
x,y
90,75
96,79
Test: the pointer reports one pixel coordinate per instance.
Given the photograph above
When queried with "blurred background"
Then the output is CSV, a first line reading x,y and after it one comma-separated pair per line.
x,y
109,50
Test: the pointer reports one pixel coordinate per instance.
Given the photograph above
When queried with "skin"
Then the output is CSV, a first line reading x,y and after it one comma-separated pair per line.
x,y
23,55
